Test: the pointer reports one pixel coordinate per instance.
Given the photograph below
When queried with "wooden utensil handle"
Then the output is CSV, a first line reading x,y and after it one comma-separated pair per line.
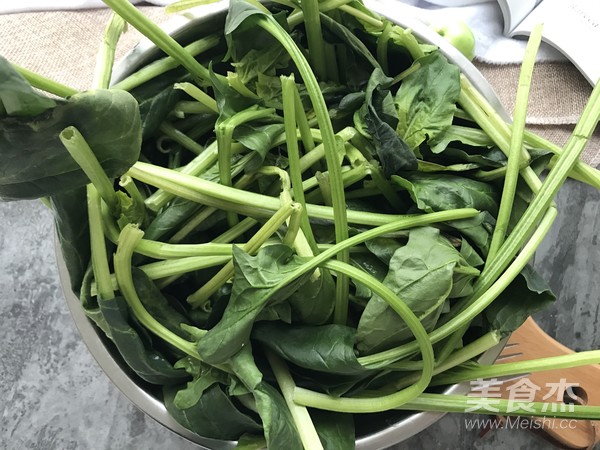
x,y
531,342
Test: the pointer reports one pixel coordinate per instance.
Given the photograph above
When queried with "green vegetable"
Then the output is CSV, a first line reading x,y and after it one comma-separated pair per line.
x,y
35,162
293,222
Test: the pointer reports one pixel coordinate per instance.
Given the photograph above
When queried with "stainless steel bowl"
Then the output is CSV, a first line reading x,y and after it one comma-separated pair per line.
x,y
209,19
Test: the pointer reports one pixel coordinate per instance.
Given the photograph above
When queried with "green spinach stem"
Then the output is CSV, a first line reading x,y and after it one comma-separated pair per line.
x,y
83,155
475,307
331,147
99,256
447,403
128,240
304,424
45,84
515,368
516,143
106,56
158,36
164,65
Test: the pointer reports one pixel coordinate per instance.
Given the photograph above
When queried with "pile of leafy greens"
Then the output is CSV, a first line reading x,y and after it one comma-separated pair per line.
x,y
295,225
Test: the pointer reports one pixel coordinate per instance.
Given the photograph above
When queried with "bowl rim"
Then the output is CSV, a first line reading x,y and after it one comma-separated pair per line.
x,y
92,336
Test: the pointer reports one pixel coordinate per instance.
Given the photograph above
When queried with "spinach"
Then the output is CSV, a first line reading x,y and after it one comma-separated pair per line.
x,y
421,274
325,348
336,430
314,303
35,162
302,236
526,295
442,192
426,99
69,210
279,428
377,119
254,283
147,363
214,415
17,97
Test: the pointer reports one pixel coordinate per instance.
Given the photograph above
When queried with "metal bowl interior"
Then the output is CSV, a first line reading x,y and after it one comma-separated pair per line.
x,y
146,397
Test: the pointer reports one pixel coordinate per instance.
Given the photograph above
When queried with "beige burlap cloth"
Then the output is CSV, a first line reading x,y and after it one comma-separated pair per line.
x,y
63,46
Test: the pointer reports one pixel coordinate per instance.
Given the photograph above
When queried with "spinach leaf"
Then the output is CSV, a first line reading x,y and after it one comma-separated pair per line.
x,y
469,254
326,348
253,288
17,97
349,39
259,138
156,303
443,192
421,274
472,137
335,430
377,119
527,294
279,428
204,377
90,305
214,415
265,61
383,248
243,35
314,303
70,214
426,99
155,109
229,101
170,217
482,157
478,229
147,363
36,164
251,442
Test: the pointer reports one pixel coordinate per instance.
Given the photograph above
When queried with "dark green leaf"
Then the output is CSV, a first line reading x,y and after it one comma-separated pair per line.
x,y
421,274
263,61
258,137
229,101
443,192
377,119
426,99
313,304
278,424
477,229
146,362
349,39
326,348
204,377
213,416
17,97
169,218
156,303
527,294
254,286
384,248
250,442
71,221
335,430
472,137
34,160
